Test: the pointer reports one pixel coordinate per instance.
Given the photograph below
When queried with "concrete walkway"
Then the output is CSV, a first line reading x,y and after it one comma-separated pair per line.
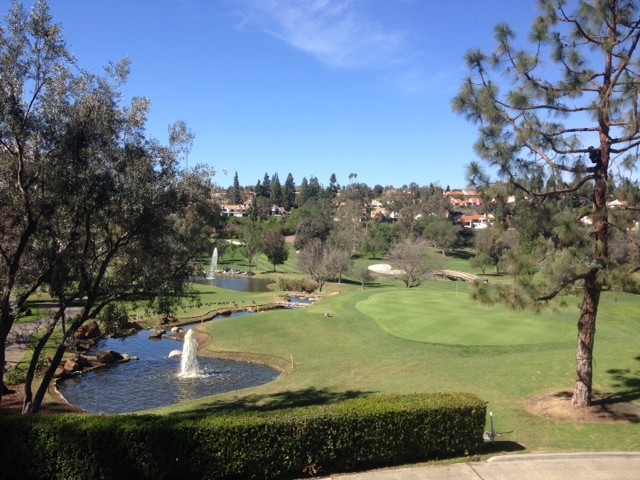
x,y
19,339
560,466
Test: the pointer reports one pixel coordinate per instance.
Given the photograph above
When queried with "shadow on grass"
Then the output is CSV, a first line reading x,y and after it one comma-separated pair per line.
x,y
629,383
461,254
282,400
500,446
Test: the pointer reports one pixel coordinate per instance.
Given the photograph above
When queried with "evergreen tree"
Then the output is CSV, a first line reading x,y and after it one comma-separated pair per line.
x,y
265,191
565,108
289,192
303,195
236,194
276,190
332,189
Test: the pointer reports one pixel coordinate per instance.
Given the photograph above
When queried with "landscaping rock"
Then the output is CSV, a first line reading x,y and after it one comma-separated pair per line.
x,y
72,365
83,361
157,334
108,356
88,331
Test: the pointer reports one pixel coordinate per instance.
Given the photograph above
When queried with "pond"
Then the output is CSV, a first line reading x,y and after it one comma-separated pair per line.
x,y
152,381
237,283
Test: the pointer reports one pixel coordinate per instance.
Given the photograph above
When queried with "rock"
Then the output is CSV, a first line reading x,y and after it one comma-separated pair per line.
x,y
108,356
87,331
175,330
157,334
59,372
175,353
72,365
83,361
165,320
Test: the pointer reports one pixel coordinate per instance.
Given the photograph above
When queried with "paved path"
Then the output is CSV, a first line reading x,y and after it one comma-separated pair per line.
x,y
19,339
561,466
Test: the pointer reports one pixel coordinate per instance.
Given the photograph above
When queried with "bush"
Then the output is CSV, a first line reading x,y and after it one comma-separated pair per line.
x,y
297,285
354,434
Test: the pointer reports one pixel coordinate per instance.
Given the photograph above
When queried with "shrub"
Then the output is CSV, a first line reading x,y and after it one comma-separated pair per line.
x,y
354,434
297,285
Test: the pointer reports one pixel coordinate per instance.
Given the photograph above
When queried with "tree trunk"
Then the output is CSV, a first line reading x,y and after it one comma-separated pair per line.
x,y
586,336
3,388
44,386
31,372
5,327
582,392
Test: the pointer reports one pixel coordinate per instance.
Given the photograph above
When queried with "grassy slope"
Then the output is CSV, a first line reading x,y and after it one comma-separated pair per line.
x,y
346,353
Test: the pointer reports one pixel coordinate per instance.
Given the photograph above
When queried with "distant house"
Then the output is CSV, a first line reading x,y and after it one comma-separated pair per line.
x,y
231,210
464,198
477,221
616,204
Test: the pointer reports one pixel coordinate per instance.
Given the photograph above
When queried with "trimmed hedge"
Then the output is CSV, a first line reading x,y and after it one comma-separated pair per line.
x,y
354,434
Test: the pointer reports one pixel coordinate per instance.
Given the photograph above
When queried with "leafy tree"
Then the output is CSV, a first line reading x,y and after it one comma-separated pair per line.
x,y
410,262
88,203
435,203
364,275
318,227
181,139
274,247
554,121
482,261
489,243
442,233
252,236
380,238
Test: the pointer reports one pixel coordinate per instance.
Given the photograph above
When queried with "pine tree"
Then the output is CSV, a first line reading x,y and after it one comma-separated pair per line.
x,y
553,120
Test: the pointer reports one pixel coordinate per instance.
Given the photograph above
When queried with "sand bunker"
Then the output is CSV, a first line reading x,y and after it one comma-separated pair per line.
x,y
384,269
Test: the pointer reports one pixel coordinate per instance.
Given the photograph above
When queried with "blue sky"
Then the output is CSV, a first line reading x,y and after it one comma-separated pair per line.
x,y
307,87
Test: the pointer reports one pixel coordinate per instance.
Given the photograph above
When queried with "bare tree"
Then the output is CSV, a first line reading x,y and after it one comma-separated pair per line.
x,y
411,263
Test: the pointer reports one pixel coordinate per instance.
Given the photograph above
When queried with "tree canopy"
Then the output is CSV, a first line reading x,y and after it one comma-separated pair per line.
x,y
88,202
558,119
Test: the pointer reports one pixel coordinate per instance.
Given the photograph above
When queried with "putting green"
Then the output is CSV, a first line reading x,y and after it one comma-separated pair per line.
x,y
452,318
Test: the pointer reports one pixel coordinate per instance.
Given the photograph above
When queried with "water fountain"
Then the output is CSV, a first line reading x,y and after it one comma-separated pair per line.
x,y
188,362
214,264
154,380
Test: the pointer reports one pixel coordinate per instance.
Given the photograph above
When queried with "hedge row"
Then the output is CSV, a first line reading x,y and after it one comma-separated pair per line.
x,y
355,434
288,284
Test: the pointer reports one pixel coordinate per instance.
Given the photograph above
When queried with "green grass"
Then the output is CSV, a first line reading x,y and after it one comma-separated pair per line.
x,y
433,338
442,315
341,347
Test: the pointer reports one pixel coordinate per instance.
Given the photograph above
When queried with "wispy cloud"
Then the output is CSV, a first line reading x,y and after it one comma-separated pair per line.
x,y
336,32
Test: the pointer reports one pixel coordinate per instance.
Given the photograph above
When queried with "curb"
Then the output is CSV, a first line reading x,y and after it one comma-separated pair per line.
x,y
561,456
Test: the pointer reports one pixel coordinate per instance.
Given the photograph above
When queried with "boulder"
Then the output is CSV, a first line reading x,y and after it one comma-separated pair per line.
x,y
83,361
157,334
108,356
72,365
87,331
